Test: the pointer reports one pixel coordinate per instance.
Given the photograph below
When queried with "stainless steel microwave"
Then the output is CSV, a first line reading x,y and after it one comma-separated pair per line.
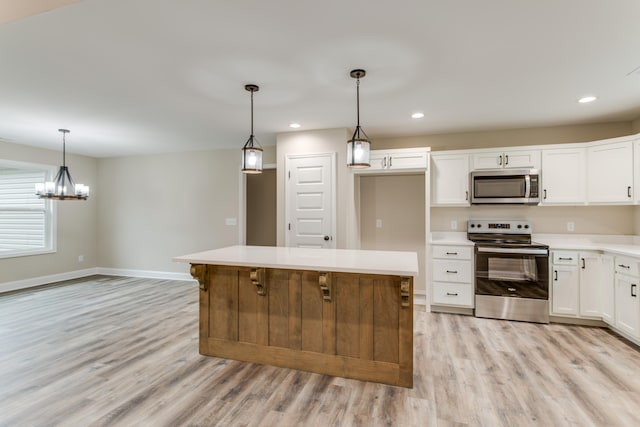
x,y
505,186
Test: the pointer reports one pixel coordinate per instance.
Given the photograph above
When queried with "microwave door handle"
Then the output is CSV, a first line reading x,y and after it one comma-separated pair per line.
x,y
527,186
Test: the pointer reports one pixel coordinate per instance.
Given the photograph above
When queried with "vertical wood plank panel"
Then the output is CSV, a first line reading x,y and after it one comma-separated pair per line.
x,y
366,319
406,341
203,322
386,303
223,309
311,304
278,294
346,298
329,321
295,310
247,308
262,317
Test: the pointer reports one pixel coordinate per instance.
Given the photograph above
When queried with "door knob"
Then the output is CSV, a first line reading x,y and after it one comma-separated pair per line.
x,y
326,238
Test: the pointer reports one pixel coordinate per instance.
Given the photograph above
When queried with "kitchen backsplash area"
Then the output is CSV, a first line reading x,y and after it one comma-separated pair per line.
x,y
611,220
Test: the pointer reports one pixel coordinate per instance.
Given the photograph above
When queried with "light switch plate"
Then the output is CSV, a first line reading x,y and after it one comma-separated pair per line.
x,y
378,223
571,226
454,224
231,221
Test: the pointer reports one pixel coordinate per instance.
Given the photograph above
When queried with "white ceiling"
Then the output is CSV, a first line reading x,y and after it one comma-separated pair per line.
x,y
146,76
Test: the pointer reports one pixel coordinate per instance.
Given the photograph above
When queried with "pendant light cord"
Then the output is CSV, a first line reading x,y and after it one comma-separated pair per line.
x,y
251,114
64,150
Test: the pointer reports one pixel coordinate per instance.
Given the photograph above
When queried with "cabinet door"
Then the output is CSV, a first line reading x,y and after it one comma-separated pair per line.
x,y
627,306
636,171
563,176
450,179
529,159
590,284
407,160
378,160
488,160
610,173
564,290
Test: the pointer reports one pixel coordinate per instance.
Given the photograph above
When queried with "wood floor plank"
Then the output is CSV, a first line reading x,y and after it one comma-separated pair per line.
x,y
111,351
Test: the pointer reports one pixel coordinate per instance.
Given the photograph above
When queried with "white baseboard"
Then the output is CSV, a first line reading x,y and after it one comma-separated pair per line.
x,y
419,298
147,274
45,280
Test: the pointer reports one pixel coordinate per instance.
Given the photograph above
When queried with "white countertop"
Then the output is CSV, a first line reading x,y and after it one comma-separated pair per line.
x,y
339,260
618,245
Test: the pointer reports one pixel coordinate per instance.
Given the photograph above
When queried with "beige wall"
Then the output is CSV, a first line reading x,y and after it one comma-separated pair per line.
x,y
635,126
261,209
509,137
398,200
319,141
76,220
546,219
179,206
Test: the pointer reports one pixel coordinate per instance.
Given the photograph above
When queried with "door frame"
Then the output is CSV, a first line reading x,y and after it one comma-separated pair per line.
x,y
242,209
287,187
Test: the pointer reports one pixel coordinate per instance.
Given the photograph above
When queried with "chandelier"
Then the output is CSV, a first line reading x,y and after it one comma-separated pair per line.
x,y
62,187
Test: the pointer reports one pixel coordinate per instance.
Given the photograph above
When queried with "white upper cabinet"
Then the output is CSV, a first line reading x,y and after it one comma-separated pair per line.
x,y
400,159
564,176
512,159
450,179
610,177
636,175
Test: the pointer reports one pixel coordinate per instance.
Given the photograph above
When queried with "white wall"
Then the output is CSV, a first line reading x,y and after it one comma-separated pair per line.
x,y
318,141
76,220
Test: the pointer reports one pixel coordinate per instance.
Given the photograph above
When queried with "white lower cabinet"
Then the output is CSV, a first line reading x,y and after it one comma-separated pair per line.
x,y
627,305
575,284
452,276
607,286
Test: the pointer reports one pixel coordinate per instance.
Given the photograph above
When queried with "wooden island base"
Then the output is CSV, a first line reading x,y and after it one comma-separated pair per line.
x,y
351,325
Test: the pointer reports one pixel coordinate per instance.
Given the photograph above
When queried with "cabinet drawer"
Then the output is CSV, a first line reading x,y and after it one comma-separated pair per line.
x,y
453,294
565,258
452,252
628,266
451,271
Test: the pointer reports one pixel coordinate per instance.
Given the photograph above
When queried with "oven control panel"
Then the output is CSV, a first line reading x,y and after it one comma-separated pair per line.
x,y
499,226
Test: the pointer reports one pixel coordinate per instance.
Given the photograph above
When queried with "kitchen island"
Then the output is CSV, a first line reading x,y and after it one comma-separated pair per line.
x,y
339,312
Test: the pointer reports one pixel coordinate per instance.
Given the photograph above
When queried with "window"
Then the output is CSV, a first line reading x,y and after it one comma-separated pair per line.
x,y
26,222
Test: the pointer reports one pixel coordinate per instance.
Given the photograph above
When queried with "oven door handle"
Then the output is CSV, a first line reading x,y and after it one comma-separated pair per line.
x,y
518,251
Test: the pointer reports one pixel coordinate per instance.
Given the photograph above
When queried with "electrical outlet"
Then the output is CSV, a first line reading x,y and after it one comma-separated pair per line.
x,y
80,258
454,224
571,226
378,223
231,221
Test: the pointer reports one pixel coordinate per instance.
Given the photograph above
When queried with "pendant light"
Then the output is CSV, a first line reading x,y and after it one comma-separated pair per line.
x,y
252,151
62,187
359,146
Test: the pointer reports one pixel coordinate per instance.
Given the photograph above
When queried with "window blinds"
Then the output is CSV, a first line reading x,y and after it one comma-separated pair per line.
x,y
22,213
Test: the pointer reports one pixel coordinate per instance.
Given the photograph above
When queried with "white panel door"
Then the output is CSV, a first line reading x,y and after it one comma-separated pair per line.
x,y
450,179
610,173
564,176
310,201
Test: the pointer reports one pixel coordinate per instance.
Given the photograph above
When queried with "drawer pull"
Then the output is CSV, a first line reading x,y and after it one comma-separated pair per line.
x,y
451,294
565,259
624,266
555,275
452,271
633,288
583,265
452,253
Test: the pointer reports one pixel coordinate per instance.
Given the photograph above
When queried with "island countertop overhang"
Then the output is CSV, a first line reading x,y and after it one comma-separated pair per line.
x,y
397,263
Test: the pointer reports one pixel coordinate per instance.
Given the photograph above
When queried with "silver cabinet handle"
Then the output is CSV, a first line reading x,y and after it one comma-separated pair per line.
x,y
565,259
545,194
583,265
633,288
555,274
466,195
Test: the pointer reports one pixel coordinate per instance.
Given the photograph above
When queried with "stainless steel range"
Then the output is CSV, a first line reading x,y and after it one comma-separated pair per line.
x,y
511,272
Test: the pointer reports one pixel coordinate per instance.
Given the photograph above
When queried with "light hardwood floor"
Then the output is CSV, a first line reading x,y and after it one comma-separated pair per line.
x,y
124,352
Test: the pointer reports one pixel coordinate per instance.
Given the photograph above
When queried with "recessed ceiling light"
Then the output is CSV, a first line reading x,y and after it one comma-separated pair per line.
x,y
586,99
417,115
294,125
